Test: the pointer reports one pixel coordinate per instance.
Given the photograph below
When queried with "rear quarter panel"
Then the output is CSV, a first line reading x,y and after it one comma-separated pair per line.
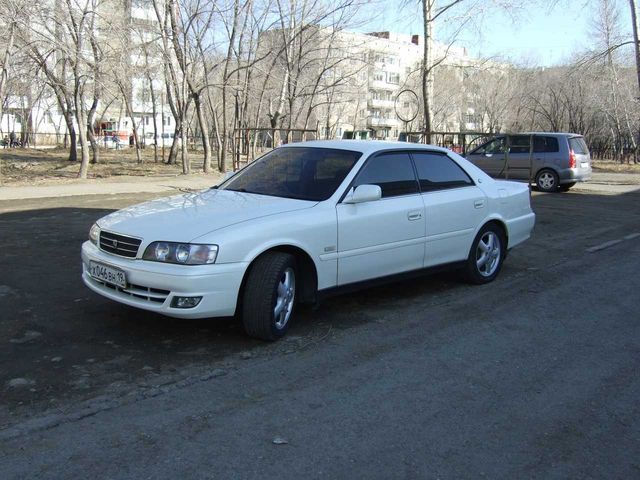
x,y
510,202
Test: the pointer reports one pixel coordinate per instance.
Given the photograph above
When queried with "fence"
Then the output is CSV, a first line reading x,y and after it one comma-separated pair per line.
x,y
253,141
459,142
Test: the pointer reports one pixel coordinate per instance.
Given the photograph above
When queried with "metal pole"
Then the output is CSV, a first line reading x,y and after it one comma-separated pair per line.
x,y
162,134
507,147
237,132
530,163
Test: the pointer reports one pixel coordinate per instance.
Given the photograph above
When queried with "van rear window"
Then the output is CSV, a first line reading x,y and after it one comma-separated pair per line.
x,y
578,145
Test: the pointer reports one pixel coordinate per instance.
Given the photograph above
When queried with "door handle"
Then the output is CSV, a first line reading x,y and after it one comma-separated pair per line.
x,y
414,216
478,203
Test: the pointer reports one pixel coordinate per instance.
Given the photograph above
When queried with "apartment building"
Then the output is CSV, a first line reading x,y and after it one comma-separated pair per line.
x,y
364,101
123,28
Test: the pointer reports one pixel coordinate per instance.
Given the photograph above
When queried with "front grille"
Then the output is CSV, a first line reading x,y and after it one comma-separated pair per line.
x,y
155,295
119,244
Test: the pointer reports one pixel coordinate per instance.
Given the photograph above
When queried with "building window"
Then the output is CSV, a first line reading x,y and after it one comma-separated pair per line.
x,y
378,76
394,78
146,120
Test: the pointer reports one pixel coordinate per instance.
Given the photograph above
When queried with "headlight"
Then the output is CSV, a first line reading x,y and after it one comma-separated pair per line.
x,y
94,234
181,253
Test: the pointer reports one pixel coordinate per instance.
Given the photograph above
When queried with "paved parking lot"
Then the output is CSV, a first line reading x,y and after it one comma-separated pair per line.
x,y
534,375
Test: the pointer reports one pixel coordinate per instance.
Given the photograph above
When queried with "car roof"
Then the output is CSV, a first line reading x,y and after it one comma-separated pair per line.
x,y
364,146
550,134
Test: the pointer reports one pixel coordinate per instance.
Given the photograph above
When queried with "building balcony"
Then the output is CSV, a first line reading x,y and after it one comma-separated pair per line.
x,y
382,122
383,85
373,103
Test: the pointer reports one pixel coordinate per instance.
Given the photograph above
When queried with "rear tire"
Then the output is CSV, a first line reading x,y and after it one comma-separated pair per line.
x,y
566,186
486,256
269,296
547,181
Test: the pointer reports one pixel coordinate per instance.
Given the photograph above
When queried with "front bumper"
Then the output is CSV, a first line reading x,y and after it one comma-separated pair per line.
x,y
153,285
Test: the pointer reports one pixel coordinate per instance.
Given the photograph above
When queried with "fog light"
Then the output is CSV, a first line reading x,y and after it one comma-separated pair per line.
x,y
185,302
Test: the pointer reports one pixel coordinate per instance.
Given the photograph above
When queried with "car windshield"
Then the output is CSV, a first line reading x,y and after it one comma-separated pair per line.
x,y
305,173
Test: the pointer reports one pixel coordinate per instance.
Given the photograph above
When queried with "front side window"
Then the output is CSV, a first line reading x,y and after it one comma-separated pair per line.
x,y
494,146
393,172
305,173
436,171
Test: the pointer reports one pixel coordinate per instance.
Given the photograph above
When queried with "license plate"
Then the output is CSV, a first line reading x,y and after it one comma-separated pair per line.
x,y
107,274
584,165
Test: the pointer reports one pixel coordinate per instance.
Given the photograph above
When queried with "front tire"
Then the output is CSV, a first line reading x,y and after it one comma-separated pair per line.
x,y
486,256
269,296
547,181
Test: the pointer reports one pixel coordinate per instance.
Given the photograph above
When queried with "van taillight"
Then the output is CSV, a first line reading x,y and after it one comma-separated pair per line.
x,y
572,159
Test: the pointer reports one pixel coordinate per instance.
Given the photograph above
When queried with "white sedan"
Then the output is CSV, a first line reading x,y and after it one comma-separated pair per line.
x,y
303,221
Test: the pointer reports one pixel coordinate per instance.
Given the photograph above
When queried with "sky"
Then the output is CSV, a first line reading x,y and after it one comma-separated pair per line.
x,y
535,35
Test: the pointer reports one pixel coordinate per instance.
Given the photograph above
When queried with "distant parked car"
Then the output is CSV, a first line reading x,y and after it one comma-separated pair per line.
x,y
304,220
559,159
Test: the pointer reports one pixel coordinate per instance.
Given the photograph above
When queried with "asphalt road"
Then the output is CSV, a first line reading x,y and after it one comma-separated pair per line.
x,y
533,376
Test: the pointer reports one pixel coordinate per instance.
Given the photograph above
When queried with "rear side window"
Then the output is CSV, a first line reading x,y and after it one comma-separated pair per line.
x,y
578,145
393,172
519,144
436,171
539,144
552,145
545,144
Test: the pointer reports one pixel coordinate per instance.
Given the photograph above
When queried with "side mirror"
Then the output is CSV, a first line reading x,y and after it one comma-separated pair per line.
x,y
364,193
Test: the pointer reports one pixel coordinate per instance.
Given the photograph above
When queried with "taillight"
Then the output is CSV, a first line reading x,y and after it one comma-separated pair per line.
x,y
572,159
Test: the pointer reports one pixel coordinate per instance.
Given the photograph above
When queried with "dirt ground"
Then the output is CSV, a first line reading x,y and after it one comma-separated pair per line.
x,y
36,167
40,166
532,376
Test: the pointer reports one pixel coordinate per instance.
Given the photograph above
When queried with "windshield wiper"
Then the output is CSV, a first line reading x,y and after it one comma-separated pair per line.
x,y
242,190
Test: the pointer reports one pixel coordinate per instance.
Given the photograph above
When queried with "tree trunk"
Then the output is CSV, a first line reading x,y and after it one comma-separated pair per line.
x,y
184,153
127,106
4,74
634,20
225,80
84,147
204,129
427,74
71,130
173,151
216,128
155,121
90,133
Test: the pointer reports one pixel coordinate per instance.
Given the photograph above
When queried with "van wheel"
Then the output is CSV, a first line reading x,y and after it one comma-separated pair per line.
x,y
547,181
566,186
269,296
486,256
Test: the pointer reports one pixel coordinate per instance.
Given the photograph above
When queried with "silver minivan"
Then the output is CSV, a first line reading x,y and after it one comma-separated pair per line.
x,y
557,162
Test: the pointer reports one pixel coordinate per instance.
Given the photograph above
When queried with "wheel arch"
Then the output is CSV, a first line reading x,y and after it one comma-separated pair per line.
x,y
307,272
500,222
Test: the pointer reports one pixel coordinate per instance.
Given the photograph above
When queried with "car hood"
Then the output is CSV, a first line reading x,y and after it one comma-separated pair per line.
x,y
182,218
